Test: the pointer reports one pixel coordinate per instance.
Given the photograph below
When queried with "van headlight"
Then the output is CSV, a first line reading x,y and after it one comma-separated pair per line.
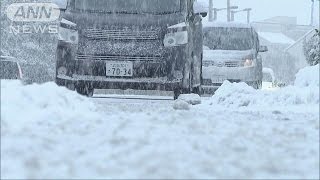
x,y
68,32
248,63
177,35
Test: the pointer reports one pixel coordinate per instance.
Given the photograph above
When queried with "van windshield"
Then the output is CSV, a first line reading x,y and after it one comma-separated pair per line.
x,y
129,6
221,38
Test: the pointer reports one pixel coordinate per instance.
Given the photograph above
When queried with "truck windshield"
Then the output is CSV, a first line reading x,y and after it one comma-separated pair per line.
x,y
129,6
229,39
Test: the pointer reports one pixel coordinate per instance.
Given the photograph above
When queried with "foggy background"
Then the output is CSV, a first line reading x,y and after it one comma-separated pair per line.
x,y
36,52
264,9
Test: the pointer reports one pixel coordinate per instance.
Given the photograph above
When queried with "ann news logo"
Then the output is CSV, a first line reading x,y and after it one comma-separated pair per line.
x,y
33,17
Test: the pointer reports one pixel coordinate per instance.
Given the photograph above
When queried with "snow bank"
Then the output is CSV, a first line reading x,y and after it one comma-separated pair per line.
x,y
304,92
181,105
35,118
29,106
308,77
192,99
50,132
185,100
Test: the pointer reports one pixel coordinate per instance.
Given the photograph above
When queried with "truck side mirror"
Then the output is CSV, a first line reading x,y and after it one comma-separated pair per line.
x,y
204,14
199,9
263,49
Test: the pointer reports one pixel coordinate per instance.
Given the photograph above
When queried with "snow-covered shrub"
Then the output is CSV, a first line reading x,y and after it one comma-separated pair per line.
x,y
312,50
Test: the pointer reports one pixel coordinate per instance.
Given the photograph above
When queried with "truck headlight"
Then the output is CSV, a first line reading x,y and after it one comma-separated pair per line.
x,y
176,39
62,71
68,32
177,35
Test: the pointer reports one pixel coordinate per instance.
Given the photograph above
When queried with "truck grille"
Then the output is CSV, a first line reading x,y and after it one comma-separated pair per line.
x,y
117,58
122,34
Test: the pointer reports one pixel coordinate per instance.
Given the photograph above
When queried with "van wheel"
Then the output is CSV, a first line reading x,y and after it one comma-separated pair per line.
x,y
257,84
85,89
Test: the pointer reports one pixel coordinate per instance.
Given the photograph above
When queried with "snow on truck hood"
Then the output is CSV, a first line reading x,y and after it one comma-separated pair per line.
x,y
212,55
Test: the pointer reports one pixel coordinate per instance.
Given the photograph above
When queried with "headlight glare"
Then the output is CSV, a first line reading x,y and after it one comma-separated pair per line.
x,y
176,39
248,63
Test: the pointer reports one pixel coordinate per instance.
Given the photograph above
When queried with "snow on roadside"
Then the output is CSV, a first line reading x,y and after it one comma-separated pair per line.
x,y
305,91
50,132
35,103
308,77
193,99
34,119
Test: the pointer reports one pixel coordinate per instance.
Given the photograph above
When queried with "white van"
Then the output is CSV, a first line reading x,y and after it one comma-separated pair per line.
x,y
231,52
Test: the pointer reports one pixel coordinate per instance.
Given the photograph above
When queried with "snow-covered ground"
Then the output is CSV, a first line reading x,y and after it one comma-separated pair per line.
x,y
50,132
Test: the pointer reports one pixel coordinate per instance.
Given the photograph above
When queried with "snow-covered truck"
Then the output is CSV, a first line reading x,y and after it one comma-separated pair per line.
x,y
130,44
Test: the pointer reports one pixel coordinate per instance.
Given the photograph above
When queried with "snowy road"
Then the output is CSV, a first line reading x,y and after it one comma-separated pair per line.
x,y
50,132
218,142
138,103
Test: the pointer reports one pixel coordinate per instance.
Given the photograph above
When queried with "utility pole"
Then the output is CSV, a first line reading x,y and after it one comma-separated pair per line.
x,y
248,17
248,14
216,10
312,12
210,10
232,15
215,14
228,11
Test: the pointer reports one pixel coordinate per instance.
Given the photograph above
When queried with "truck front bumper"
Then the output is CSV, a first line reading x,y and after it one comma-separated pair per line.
x,y
102,82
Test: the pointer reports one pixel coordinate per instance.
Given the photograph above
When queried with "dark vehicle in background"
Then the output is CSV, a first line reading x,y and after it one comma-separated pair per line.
x,y
231,52
10,68
130,44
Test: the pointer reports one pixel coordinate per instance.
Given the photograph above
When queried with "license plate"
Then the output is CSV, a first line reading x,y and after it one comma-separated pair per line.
x,y
119,69
218,79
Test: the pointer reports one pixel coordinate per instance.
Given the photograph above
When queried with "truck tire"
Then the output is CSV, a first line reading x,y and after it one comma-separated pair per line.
x,y
197,90
177,93
85,89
